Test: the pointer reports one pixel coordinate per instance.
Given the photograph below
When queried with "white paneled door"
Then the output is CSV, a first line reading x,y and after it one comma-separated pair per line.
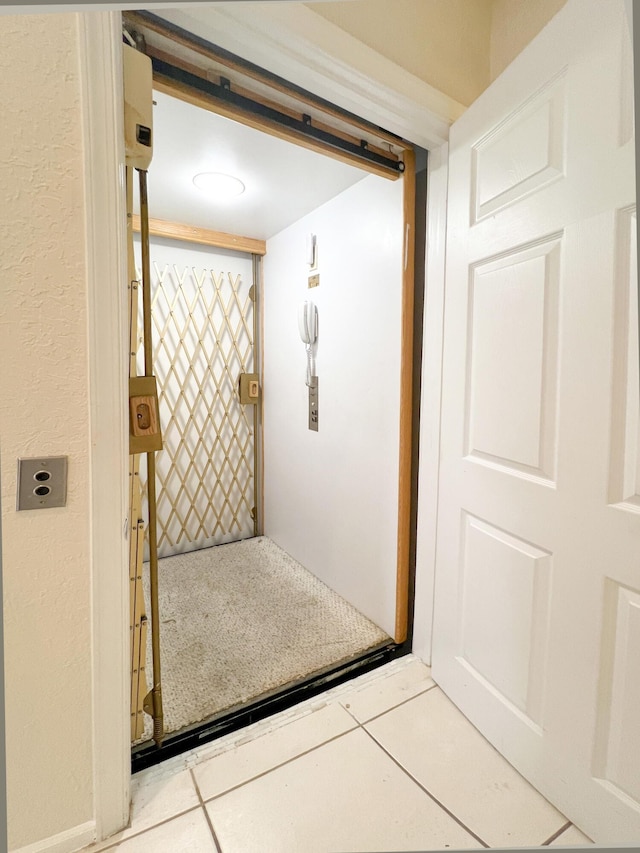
x,y
537,620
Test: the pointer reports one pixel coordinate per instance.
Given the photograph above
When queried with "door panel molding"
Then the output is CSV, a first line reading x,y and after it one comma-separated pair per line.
x,y
534,354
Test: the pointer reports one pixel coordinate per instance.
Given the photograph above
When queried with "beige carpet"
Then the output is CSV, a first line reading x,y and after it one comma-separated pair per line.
x,y
241,620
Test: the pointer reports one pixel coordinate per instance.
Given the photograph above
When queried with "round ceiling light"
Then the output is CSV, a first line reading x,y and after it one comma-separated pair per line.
x,y
218,185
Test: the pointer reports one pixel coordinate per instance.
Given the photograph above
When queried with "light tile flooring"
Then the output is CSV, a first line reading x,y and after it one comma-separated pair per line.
x,y
385,762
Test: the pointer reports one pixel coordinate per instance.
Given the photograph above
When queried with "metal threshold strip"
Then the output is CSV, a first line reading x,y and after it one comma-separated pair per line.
x,y
148,754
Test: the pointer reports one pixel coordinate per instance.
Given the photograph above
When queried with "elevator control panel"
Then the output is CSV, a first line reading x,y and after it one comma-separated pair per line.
x,y
313,404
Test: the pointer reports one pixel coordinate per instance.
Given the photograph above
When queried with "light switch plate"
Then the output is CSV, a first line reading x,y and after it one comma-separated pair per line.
x,y
42,482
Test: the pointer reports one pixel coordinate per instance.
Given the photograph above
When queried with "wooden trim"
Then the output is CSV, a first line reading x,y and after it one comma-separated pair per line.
x,y
192,234
406,401
286,109
197,99
260,307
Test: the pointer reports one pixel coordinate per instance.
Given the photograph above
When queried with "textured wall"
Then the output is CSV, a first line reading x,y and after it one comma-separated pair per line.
x,y
513,24
331,497
43,394
443,42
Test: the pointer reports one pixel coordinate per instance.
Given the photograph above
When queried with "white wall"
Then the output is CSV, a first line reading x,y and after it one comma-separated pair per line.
x,y
44,410
331,496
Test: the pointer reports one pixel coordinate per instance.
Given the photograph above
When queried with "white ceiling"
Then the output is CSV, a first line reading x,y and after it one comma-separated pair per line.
x,y
283,181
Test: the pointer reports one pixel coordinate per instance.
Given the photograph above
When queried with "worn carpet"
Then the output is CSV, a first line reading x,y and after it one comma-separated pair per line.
x,y
241,620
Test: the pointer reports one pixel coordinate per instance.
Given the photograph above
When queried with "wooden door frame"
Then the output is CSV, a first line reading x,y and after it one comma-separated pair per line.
x,y
100,48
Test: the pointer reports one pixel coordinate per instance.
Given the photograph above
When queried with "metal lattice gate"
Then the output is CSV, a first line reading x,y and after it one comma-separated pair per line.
x,y
203,337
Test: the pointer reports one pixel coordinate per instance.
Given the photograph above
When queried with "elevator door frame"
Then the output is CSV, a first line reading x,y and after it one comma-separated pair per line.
x,y
188,87
420,114
414,199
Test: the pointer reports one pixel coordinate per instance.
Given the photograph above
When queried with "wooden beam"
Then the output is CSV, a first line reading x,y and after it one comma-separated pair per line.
x,y
192,234
253,73
258,98
406,400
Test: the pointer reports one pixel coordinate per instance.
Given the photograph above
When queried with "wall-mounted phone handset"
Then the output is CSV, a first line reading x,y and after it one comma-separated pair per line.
x,y
308,322
308,328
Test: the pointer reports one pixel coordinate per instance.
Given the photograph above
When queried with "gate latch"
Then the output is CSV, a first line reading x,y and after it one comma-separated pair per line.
x,y
249,388
144,423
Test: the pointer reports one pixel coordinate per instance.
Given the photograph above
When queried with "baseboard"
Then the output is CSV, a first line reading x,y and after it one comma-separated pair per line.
x,y
65,842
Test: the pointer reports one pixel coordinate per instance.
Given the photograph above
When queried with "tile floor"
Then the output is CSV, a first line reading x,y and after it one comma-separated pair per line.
x,y
384,762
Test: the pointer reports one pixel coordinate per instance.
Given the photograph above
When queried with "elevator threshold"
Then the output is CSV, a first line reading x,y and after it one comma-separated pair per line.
x,y
147,754
247,631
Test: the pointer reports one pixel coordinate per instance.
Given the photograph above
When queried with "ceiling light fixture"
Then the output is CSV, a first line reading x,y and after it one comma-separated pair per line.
x,y
218,185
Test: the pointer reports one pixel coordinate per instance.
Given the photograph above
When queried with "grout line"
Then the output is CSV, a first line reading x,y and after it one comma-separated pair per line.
x,y
206,813
556,834
283,763
426,791
553,837
356,721
138,834
399,705
254,731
